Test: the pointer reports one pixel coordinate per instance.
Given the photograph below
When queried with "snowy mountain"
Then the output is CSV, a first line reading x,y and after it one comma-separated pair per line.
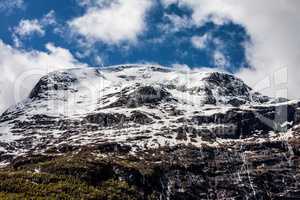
x,y
142,108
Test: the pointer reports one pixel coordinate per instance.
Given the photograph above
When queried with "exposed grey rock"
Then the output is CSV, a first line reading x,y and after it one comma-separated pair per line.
x,y
53,81
106,119
140,118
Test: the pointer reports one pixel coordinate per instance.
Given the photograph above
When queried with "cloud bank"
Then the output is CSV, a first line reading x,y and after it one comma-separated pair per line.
x,y
21,70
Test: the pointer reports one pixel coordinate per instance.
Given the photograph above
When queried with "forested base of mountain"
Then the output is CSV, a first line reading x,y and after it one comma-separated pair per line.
x,y
269,170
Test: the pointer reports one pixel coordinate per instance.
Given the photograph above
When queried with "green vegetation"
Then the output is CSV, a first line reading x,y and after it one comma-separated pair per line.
x,y
28,185
70,177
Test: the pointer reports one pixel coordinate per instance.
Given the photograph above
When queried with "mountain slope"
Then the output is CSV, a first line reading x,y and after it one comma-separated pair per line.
x,y
193,119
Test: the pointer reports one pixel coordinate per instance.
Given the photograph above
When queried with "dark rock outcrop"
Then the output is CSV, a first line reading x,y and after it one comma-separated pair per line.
x,y
142,95
106,119
53,81
140,118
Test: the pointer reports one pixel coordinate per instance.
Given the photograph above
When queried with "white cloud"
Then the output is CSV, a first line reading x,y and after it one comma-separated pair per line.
x,y
175,23
220,60
167,3
274,29
98,61
186,68
27,27
181,67
200,42
49,19
92,3
119,21
9,5
20,70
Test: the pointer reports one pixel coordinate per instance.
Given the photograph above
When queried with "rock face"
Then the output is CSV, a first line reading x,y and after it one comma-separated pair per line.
x,y
199,134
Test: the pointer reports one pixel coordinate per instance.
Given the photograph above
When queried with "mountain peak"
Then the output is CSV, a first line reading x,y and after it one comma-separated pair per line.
x,y
216,84
144,106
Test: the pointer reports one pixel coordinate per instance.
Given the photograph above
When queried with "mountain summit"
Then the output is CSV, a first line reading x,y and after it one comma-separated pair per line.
x,y
186,123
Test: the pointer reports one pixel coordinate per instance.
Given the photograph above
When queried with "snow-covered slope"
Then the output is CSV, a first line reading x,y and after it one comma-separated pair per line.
x,y
142,106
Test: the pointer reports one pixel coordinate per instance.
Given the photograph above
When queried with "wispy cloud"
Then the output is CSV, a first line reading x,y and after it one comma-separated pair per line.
x,y
200,42
29,27
8,6
220,59
174,23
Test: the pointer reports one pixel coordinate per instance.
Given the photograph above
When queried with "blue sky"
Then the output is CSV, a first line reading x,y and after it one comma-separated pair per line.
x,y
255,40
158,43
